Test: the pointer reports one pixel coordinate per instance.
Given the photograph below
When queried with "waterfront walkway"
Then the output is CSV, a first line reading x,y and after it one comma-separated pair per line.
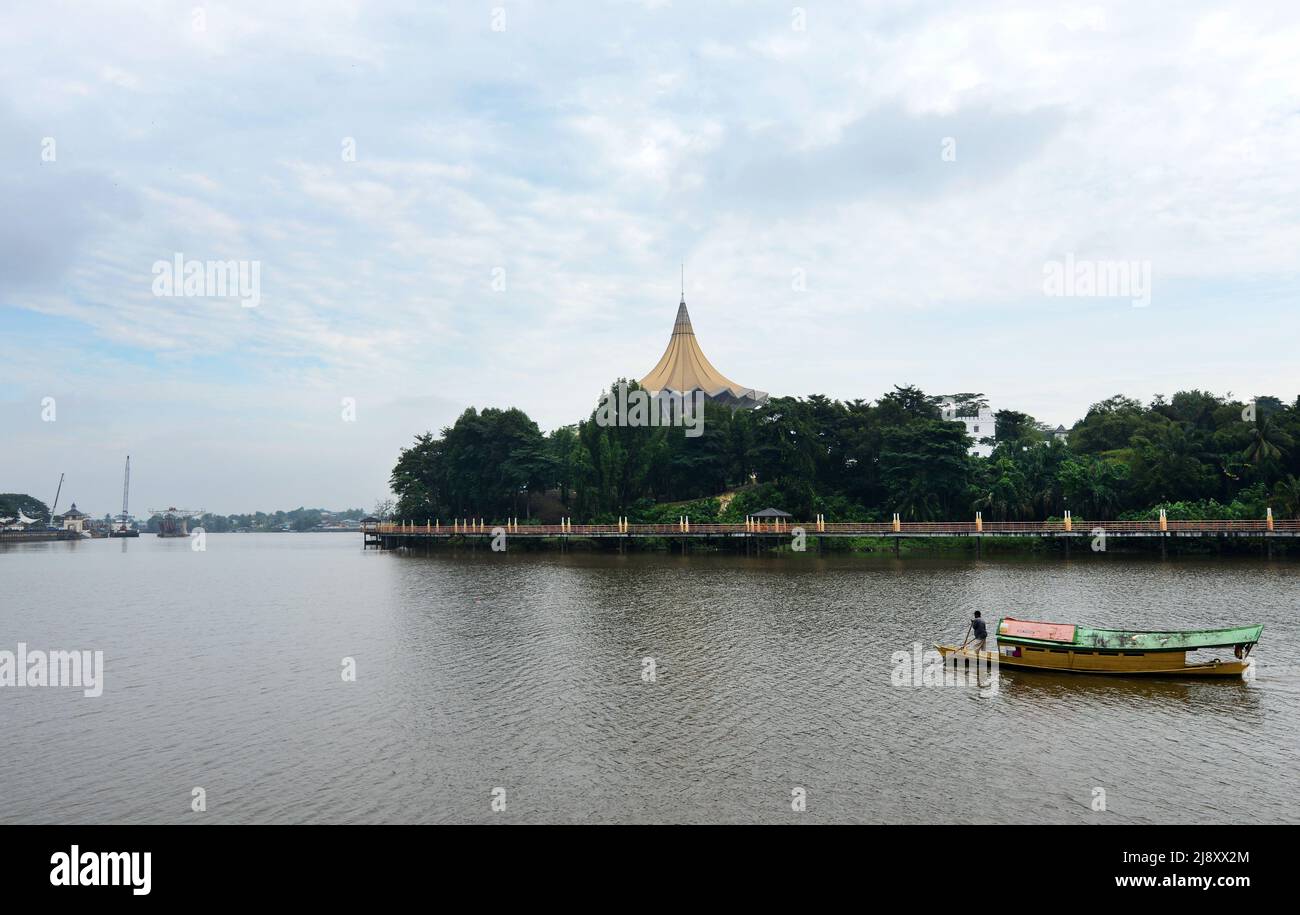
x,y
399,534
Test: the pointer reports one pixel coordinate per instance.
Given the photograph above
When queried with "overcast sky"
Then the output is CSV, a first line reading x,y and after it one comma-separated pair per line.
x,y
864,195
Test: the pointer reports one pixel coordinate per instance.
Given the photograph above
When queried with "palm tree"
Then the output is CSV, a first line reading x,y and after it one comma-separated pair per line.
x,y
1267,442
1287,494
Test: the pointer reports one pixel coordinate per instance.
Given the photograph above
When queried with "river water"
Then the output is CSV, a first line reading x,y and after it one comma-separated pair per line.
x,y
522,679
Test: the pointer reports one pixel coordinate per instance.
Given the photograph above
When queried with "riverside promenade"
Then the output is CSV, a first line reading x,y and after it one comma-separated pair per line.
x,y
405,534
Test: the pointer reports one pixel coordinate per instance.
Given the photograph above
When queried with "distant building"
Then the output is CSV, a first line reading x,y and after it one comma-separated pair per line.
x,y
73,520
1061,434
978,426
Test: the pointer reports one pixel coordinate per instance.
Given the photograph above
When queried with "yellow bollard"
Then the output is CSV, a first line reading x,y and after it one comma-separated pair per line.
x,y
979,522
1269,518
1164,521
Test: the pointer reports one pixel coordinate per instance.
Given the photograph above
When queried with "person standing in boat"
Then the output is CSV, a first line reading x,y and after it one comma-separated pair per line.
x,y
980,631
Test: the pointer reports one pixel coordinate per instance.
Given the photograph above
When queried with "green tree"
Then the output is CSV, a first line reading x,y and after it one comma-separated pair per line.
x,y
1093,486
1286,493
925,469
1267,445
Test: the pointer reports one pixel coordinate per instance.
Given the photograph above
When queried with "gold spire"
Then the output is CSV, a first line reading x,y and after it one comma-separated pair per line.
x,y
684,367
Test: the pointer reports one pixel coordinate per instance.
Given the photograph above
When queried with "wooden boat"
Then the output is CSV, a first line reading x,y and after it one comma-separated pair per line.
x,y
1063,647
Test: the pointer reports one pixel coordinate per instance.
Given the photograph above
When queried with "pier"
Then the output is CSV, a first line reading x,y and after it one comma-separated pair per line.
x,y
37,536
763,535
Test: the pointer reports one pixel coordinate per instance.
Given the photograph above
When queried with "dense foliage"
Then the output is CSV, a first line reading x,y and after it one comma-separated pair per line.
x,y
11,503
1197,455
299,519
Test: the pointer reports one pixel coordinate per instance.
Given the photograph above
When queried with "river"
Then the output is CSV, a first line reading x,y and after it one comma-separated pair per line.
x,y
646,687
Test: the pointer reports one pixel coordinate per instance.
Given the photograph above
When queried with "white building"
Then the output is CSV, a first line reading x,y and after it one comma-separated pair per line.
x,y
978,426
73,520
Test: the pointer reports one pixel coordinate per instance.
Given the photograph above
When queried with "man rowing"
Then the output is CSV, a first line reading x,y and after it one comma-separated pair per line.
x,y
980,631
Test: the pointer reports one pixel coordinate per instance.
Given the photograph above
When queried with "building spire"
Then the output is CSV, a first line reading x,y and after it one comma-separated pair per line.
x,y
684,368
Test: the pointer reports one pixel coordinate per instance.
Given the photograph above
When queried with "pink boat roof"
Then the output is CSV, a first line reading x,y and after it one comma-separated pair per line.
x,y
1028,629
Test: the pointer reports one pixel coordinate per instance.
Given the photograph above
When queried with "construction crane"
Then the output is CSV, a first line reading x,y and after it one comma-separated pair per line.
x,y
126,490
56,501
122,529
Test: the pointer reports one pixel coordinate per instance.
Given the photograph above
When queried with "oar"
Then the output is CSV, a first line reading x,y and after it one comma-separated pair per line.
x,y
969,626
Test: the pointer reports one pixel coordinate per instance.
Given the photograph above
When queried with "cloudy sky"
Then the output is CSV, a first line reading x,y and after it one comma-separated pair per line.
x,y
486,204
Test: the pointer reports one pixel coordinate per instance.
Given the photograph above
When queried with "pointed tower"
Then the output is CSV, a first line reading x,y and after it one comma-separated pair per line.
x,y
684,368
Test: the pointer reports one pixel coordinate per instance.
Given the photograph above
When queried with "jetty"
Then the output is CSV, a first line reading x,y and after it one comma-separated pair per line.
x,y
765,533
37,535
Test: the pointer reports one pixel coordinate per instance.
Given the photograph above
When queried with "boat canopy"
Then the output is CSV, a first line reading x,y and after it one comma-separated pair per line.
x,y
1056,635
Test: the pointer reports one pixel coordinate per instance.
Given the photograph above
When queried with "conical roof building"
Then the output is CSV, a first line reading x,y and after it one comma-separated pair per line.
x,y
684,368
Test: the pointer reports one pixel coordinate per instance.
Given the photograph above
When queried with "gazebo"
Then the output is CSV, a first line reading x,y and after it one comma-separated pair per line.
x,y
772,518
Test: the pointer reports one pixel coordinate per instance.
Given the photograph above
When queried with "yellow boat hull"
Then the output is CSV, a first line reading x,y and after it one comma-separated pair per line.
x,y
1116,663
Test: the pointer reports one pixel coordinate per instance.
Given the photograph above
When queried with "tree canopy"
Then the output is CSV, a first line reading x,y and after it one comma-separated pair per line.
x,y
1196,454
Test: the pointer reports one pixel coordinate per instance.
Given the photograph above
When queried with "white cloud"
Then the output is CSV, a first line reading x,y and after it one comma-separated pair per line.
x,y
586,150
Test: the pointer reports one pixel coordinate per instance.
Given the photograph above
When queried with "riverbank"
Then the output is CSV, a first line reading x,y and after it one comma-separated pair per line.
x,y
37,536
